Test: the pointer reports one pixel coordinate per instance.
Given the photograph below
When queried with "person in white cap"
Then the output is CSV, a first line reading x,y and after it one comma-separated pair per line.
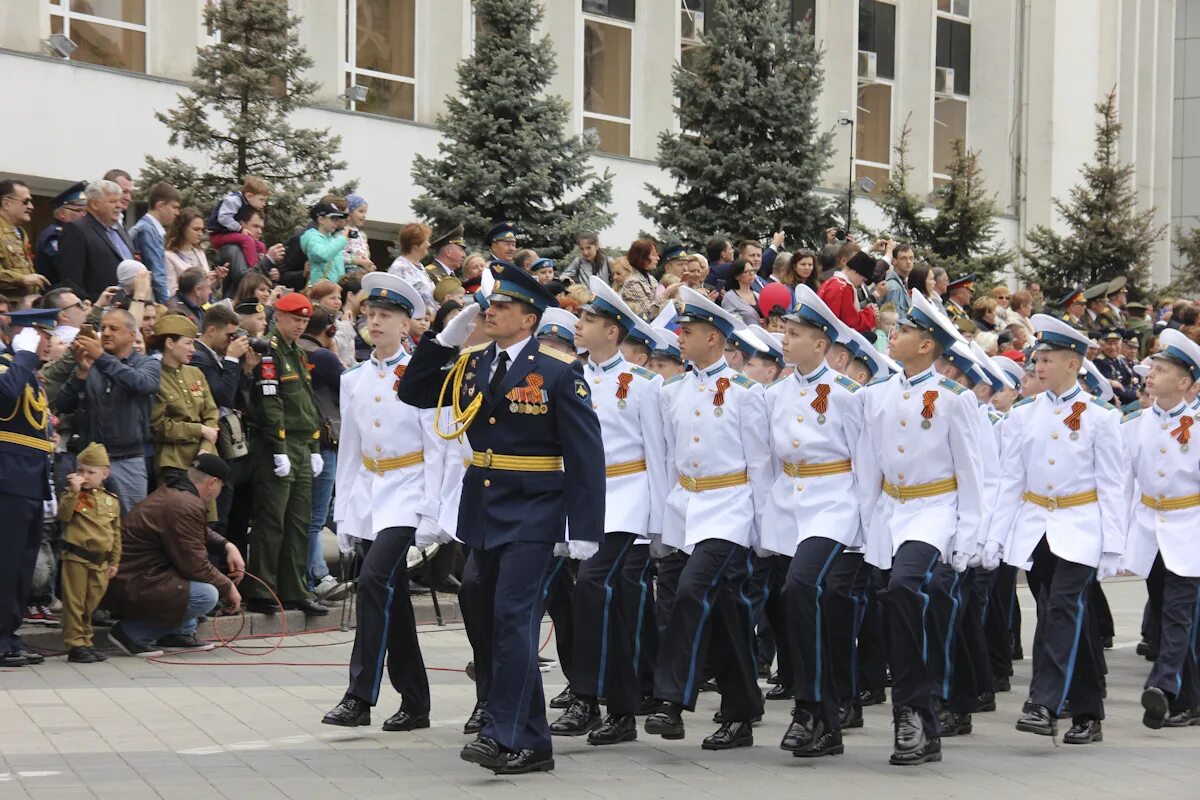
x,y
1062,503
1164,444
666,360
607,589
767,366
1014,373
922,498
720,460
388,490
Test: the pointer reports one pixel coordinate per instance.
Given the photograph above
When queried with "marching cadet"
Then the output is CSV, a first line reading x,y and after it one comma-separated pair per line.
x,y
607,592
767,366
666,360
1062,504
922,503
69,205
1162,525
815,424
388,488
91,550
527,411
741,347
638,345
1003,399
715,423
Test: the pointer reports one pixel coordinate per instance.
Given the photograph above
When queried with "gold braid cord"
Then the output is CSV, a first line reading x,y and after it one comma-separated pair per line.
x,y
463,417
36,407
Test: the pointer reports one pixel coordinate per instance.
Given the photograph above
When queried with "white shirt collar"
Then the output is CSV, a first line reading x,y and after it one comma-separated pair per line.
x,y
715,368
919,378
1171,413
607,365
1071,394
391,362
813,376
513,350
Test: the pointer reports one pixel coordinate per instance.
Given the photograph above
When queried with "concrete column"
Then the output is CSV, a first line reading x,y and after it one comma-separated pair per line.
x,y
323,34
912,103
655,54
176,30
563,22
440,46
990,110
837,32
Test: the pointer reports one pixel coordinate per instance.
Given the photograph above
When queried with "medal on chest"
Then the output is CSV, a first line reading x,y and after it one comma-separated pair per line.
x,y
623,381
1074,420
820,403
1183,434
530,398
719,397
928,403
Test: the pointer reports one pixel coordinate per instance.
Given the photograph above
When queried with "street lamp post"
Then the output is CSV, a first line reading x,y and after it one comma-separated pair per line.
x,y
847,120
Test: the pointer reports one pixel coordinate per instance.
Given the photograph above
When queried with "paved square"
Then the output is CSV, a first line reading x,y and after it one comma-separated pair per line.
x,y
221,724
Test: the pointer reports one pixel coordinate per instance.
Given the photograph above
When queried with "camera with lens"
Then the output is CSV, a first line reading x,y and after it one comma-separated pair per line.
x,y
260,346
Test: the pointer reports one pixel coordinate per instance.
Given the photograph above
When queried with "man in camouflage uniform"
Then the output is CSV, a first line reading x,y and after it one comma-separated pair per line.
x,y
17,277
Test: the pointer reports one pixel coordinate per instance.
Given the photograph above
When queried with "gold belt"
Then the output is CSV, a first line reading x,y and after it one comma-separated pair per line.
x,y
382,465
1062,501
625,468
27,441
1171,503
918,490
801,470
490,460
715,482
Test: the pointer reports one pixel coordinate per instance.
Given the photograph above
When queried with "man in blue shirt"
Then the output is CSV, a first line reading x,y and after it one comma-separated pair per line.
x,y
150,231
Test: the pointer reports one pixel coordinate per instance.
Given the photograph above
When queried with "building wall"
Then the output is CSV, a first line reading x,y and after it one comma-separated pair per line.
x,y
1185,156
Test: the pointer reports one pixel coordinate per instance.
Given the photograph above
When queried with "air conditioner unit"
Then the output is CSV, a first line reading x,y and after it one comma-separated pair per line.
x,y
867,66
943,81
693,24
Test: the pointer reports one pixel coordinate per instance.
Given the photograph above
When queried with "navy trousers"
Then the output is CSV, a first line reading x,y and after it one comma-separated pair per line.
x,y
906,602
1175,669
870,642
607,617
478,624
844,618
810,627
776,619
558,599
18,554
640,571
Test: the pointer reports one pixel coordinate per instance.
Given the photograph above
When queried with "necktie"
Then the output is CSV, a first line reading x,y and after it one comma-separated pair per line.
x,y
501,371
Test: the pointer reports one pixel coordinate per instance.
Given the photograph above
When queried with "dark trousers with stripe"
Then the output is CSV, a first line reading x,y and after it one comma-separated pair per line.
x,y
18,555
607,618
1152,614
1065,665
844,609
512,578
775,616
870,642
953,634
905,602
811,626
712,603
473,607
639,571
386,625
669,571
559,591
1000,610
1175,669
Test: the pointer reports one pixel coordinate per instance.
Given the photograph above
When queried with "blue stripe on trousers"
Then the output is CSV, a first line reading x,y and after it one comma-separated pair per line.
x,y
641,612
1080,608
608,593
387,621
753,615
817,617
705,610
948,664
921,590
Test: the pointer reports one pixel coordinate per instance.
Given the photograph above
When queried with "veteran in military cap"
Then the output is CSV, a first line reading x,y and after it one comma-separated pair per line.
x,y
1073,306
958,297
1098,316
69,205
449,250
501,239
184,419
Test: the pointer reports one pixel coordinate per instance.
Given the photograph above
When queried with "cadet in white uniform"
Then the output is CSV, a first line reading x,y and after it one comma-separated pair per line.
x,y
1062,503
387,490
1166,459
716,425
922,502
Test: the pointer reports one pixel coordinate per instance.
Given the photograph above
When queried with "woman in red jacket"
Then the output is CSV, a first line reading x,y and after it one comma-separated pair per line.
x,y
839,293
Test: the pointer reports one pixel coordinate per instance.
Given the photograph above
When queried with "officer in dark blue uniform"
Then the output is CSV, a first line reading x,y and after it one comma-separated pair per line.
x,y
69,205
535,437
25,464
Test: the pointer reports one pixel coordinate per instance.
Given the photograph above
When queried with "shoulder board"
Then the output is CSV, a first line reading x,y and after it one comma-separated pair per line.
x,y
852,385
673,379
642,372
6,356
475,348
742,380
356,366
994,417
957,388
1102,404
777,381
879,380
1131,415
274,341
1023,401
561,356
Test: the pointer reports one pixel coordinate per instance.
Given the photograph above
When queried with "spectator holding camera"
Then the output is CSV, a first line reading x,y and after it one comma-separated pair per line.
x,y
184,417
222,355
324,244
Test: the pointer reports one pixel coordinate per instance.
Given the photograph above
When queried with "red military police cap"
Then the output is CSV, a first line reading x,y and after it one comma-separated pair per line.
x,y
294,303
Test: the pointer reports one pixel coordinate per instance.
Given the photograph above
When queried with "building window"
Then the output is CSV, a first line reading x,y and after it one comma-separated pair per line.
x,y
617,9
954,52
876,70
804,14
957,8
111,33
381,55
949,123
951,83
607,82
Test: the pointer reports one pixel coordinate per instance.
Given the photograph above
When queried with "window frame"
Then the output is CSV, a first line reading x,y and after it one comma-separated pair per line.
x,y
584,113
63,10
933,165
601,15
350,70
879,81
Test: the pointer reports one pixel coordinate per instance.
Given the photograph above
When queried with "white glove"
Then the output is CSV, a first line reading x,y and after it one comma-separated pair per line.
x,y
318,464
458,330
283,465
427,532
959,561
345,542
1110,565
581,550
992,555
658,549
762,552
976,557
561,550
27,341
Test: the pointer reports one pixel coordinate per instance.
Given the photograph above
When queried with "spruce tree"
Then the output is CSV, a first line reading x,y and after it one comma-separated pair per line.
x,y
236,117
1187,273
1105,233
504,154
908,221
750,151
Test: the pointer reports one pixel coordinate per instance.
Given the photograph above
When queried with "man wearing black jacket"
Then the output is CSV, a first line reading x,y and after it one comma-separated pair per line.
x,y
91,247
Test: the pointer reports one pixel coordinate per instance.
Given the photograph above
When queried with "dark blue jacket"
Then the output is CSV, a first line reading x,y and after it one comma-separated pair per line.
x,y
24,447
116,397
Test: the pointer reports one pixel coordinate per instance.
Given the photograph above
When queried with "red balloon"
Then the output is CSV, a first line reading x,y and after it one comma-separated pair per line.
x,y
772,295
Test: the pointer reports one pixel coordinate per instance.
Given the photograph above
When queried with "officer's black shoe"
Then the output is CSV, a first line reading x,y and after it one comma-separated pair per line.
x,y
764,670
470,670
850,716
309,606
1084,731
1144,650
987,702
406,721
648,706
1018,651
350,712
799,734
524,761
774,679
563,699
718,717
484,751
83,655
667,722
872,697
912,746
825,743
583,716
615,729
14,658
729,736
709,685
952,723
97,655
1157,708
779,692
1106,642
1183,719
259,605
1003,684
477,719
1037,719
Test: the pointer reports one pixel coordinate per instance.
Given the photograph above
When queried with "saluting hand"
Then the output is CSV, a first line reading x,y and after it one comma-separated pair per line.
x,y
459,329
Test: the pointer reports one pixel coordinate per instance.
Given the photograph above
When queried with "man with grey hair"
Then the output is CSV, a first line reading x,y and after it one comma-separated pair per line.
x,y
92,246
941,284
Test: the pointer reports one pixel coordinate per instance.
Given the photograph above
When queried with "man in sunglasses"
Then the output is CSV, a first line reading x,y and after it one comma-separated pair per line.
x,y
17,276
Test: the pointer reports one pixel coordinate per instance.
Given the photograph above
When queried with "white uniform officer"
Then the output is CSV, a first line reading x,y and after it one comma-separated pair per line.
x,y
388,488
720,460
666,359
1166,461
919,473
1062,503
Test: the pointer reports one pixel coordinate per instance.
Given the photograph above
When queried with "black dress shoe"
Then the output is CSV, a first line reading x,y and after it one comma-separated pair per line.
x,y
97,655
477,719
1038,719
667,722
1183,719
1003,684
729,736
615,729
799,734
14,658
987,702
648,706
29,657
524,761
350,712
774,679
779,692
912,746
850,716
952,723
1018,651
484,751
406,721
262,606
83,655
1084,731
709,685
824,743
309,606
872,697
582,717
563,699
1157,707
719,718
1146,651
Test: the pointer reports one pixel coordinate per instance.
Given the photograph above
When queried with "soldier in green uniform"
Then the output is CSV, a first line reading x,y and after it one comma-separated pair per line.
x,y
286,436
1073,307
17,277
184,417
1099,316
1136,322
